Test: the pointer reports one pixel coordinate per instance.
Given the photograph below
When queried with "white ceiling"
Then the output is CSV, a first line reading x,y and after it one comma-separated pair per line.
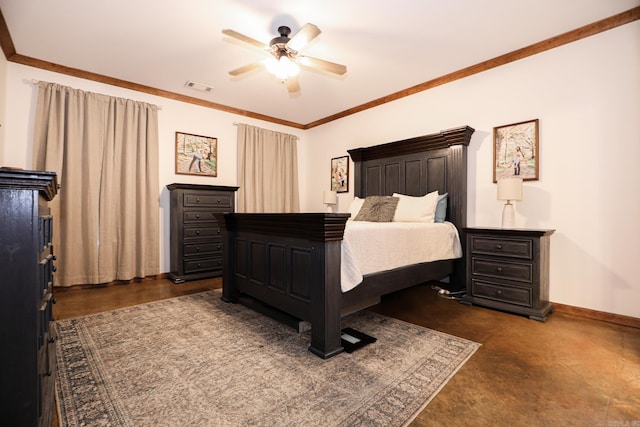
x,y
387,46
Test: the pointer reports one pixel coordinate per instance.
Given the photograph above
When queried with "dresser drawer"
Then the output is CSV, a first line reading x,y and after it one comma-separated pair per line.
x,y
45,274
45,227
517,248
507,294
194,216
45,318
204,231
208,200
500,269
203,248
205,264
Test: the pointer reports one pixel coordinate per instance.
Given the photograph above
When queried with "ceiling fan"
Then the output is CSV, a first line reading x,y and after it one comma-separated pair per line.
x,y
285,60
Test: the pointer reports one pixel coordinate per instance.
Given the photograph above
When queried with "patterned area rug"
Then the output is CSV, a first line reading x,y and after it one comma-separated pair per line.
x,y
198,361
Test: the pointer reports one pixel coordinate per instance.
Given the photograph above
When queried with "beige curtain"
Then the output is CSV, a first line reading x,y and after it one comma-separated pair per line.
x,y
105,151
267,171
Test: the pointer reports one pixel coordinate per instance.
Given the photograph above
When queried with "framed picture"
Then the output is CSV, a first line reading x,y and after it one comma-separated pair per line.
x,y
196,155
515,151
340,174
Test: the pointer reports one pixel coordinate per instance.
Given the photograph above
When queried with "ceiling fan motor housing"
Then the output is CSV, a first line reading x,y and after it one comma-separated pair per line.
x,y
283,39
279,46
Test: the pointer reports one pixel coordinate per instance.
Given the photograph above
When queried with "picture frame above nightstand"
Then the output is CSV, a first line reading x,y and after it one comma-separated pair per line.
x,y
508,269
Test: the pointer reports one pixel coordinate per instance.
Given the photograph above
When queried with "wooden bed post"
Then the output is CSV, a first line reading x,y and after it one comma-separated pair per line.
x,y
325,313
229,291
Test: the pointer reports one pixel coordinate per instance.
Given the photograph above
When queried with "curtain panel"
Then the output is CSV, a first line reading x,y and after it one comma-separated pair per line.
x,y
105,152
267,171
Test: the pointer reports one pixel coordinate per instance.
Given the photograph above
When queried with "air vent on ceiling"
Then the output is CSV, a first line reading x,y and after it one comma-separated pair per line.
x,y
198,86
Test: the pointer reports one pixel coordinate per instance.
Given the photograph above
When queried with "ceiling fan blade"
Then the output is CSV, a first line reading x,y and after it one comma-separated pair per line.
x,y
323,65
304,35
246,68
293,85
242,37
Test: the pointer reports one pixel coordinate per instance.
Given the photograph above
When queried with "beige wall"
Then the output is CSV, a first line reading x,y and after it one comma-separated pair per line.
x,y
586,96
3,104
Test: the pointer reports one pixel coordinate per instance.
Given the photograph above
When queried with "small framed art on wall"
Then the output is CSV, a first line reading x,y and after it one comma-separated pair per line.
x,y
340,174
196,154
515,151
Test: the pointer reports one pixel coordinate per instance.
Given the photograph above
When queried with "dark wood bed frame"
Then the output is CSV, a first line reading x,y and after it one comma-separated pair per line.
x,y
290,263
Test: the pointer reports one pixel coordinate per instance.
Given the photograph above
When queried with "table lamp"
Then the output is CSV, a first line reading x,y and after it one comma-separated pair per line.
x,y
509,189
329,199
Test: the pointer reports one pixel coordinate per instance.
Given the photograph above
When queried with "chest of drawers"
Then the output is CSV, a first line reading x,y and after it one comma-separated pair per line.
x,y
27,330
508,269
196,238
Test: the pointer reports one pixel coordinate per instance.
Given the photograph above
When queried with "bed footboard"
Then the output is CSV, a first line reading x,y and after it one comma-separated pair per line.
x,y
290,262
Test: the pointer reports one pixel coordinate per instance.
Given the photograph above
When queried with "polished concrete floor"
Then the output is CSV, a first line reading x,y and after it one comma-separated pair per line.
x,y
568,371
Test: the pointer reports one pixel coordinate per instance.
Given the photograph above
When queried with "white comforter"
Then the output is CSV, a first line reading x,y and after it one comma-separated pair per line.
x,y
368,247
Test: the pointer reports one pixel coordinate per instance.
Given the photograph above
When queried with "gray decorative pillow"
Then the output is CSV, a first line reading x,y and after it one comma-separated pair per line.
x,y
377,209
441,208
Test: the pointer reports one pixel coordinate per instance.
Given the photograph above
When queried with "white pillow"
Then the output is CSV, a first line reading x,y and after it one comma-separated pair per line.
x,y
416,209
354,206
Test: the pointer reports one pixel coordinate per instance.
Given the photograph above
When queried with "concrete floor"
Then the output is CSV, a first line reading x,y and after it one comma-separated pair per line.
x,y
568,371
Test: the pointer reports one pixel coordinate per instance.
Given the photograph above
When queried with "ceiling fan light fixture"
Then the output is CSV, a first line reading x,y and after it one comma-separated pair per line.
x,y
282,68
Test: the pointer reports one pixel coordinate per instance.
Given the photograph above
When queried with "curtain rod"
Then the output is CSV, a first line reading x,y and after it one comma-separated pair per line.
x,y
35,82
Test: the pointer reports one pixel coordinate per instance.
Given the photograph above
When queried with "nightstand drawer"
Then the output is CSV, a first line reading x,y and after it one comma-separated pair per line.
x,y
519,296
500,269
209,200
517,248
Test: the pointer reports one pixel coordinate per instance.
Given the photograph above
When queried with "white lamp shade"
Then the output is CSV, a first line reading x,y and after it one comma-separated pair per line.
x,y
510,189
330,197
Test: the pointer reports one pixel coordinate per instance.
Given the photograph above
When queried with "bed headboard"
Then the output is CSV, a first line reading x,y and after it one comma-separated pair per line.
x,y
418,166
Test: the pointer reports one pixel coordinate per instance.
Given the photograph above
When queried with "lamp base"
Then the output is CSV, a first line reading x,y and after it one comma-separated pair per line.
x,y
329,209
508,216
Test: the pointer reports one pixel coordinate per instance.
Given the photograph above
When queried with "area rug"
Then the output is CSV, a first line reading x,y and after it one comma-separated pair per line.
x,y
197,361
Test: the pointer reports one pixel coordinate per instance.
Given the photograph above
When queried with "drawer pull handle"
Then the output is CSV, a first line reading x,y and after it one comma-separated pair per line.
x,y
218,231
198,232
197,248
198,200
198,265
218,200
499,292
198,216
218,246
498,246
499,269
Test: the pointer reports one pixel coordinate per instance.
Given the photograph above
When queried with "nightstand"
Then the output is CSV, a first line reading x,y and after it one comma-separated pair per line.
x,y
508,269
